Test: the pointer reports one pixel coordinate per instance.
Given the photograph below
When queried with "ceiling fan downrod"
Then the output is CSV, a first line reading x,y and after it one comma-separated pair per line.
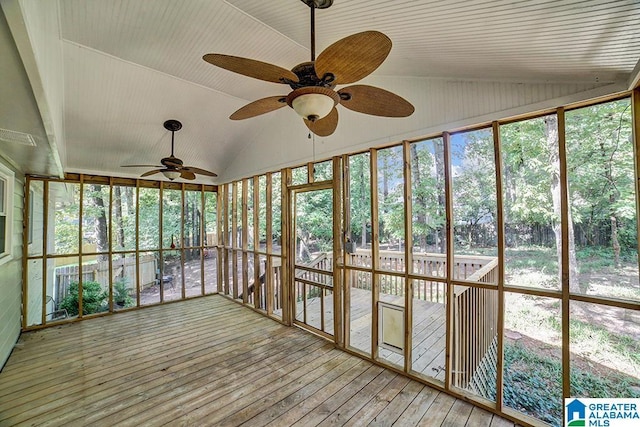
x,y
173,126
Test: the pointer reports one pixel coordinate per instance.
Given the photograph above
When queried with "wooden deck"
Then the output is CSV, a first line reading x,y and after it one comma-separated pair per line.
x,y
208,361
428,353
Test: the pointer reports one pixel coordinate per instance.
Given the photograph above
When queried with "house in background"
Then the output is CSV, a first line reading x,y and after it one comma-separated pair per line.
x,y
86,86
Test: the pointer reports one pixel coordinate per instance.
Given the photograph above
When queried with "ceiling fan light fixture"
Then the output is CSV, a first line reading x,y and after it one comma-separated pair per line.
x,y
313,102
171,174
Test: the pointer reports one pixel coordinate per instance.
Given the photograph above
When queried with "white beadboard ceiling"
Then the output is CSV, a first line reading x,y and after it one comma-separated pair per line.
x,y
128,65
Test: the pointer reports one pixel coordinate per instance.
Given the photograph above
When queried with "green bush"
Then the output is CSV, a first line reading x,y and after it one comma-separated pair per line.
x,y
94,299
121,295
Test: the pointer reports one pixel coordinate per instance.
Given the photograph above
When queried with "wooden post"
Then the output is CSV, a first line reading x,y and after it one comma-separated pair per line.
x,y
245,244
138,243
288,301
220,231
110,248
501,248
375,250
181,245
346,274
635,119
234,239
257,286
201,244
446,137
338,255
408,258
564,226
268,278
160,235
80,278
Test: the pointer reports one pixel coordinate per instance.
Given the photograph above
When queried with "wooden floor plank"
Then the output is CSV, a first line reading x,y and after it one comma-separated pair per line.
x,y
479,418
416,410
209,361
458,415
368,413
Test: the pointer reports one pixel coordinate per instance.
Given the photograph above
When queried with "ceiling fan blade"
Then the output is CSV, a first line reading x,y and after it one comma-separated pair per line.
x,y
354,57
198,171
251,68
325,126
185,174
140,166
261,106
375,101
152,172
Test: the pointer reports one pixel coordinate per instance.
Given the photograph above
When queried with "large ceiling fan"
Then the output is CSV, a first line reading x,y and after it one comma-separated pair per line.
x,y
313,96
172,167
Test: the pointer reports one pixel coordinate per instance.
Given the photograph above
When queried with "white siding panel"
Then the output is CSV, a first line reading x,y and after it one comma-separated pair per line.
x,y
11,280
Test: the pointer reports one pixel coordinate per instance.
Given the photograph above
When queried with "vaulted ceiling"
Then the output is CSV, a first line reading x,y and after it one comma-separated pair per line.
x,y
93,81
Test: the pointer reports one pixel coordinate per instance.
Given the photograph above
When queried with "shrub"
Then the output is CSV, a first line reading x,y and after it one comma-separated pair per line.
x,y
94,299
121,293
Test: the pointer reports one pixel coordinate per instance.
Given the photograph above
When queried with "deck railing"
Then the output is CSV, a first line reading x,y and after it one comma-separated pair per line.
x,y
475,319
475,310
428,264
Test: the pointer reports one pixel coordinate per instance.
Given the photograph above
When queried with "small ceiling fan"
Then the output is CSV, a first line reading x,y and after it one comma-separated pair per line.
x,y
313,96
172,167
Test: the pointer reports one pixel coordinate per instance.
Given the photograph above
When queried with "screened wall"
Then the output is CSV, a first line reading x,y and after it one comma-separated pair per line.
x,y
99,244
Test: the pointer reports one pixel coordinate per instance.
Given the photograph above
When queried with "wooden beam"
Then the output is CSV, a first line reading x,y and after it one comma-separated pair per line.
x,y
181,244
160,245
234,240
268,279
564,226
346,275
338,252
635,134
446,137
501,258
288,302
408,257
80,230
137,243
245,242
257,286
375,249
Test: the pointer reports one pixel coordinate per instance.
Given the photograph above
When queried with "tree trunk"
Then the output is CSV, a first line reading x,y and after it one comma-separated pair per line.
x,y
117,204
421,205
551,133
615,244
441,233
102,239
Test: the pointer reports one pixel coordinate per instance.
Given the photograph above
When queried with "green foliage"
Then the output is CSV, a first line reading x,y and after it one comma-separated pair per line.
x,y
94,299
533,384
121,293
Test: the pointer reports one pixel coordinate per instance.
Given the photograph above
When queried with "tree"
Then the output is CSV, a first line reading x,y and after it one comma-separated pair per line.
x,y
427,193
600,161
551,132
360,197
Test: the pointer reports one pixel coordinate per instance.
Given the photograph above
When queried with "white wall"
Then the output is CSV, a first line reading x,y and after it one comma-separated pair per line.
x,y
440,105
11,277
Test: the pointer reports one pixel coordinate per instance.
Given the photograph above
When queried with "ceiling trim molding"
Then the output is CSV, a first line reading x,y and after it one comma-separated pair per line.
x,y
19,30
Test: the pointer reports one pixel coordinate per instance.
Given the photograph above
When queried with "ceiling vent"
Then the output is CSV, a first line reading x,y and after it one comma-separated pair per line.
x,y
21,138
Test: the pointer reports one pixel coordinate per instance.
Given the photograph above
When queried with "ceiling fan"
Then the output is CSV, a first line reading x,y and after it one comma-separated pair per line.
x,y
172,167
313,96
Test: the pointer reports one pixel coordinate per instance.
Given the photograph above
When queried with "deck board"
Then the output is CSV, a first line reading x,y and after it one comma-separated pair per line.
x,y
208,361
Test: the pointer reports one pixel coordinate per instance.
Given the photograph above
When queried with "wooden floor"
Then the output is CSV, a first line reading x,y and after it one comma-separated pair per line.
x,y
208,361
